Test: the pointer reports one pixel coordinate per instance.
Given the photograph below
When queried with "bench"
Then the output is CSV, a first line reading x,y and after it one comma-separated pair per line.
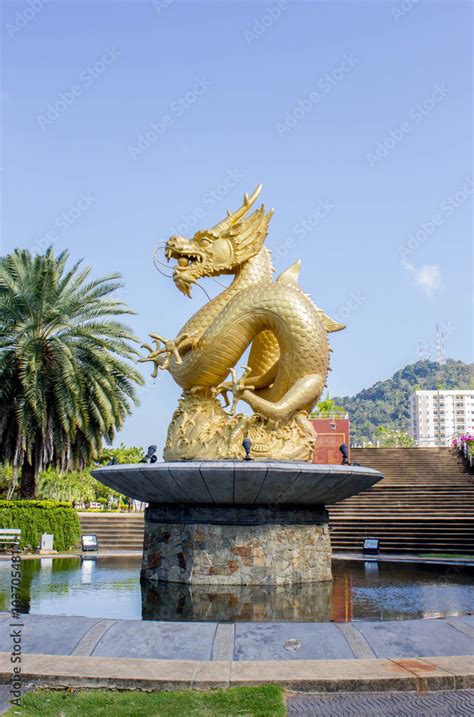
x,y
10,536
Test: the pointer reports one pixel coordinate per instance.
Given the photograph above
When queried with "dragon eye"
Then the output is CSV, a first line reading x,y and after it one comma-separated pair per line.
x,y
204,242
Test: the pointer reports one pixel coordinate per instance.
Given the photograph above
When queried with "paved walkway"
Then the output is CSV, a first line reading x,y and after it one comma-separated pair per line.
x,y
411,655
83,636
369,704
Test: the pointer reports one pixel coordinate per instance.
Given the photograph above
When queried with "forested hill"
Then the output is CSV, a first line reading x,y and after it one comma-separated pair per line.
x,y
386,402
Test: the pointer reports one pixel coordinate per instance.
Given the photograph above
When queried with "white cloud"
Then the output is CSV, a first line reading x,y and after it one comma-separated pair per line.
x,y
427,278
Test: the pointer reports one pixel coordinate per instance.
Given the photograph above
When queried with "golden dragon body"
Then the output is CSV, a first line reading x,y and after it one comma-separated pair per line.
x,y
289,350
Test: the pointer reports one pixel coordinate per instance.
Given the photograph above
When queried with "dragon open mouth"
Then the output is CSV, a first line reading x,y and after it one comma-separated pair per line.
x,y
187,267
185,259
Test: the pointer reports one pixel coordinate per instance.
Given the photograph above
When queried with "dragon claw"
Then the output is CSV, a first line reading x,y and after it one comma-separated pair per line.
x,y
161,357
236,386
166,349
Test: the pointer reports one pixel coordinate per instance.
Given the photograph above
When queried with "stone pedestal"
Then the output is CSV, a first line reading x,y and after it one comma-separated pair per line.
x,y
245,545
224,523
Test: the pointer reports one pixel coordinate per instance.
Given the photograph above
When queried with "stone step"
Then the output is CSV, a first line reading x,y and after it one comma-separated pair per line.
x,y
132,529
424,503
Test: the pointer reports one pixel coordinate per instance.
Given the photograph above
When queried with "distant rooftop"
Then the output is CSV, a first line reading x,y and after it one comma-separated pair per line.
x,y
451,392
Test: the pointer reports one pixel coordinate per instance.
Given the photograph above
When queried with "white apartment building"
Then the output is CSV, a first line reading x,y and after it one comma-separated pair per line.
x,y
436,417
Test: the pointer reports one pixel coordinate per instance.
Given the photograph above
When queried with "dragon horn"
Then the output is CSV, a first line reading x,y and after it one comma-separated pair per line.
x,y
233,218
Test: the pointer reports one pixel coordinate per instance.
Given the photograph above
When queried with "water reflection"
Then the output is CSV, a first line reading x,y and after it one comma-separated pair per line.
x,y
236,603
401,591
371,567
87,570
110,588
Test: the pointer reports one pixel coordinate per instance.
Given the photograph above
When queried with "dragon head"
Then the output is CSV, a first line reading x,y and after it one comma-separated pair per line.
x,y
220,250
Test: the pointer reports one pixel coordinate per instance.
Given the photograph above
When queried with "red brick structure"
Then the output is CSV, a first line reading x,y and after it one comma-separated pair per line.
x,y
331,432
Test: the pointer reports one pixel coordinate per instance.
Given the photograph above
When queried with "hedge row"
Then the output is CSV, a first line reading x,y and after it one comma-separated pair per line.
x,y
35,517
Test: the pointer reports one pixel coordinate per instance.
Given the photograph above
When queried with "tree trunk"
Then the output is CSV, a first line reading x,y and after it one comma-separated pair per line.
x,y
28,481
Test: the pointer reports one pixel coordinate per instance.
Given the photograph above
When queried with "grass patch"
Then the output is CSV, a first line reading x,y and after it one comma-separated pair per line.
x,y
265,701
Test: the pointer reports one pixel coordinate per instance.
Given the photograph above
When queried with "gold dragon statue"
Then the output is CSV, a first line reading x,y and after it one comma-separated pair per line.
x,y
287,364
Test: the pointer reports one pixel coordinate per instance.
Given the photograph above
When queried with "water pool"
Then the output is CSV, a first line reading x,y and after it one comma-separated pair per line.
x,y
110,588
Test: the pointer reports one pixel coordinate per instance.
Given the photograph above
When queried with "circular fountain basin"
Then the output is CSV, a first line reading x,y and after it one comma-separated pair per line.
x,y
238,482
237,522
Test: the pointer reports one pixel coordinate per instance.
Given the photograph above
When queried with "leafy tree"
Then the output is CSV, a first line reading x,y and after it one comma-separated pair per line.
x,y
75,486
391,438
6,478
327,406
122,454
67,381
386,402
71,486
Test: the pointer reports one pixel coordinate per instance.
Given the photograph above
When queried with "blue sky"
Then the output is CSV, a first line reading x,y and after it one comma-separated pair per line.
x,y
124,122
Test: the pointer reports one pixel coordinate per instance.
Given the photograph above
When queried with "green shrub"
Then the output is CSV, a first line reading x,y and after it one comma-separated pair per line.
x,y
35,517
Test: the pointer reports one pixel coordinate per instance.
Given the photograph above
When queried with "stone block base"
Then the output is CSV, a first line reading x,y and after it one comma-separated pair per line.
x,y
236,546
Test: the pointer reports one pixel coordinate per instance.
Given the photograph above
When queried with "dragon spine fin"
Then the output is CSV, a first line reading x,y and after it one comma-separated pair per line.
x,y
290,275
329,324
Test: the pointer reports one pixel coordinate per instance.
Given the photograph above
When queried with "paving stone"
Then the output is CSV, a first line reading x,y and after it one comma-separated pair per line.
x,y
158,640
463,626
254,641
415,638
51,634
325,675
212,675
223,647
461,667
357,642
427,674
86,644
84,672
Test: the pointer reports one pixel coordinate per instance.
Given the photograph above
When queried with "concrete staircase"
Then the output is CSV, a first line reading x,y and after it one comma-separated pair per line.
x,y
115,531
425,504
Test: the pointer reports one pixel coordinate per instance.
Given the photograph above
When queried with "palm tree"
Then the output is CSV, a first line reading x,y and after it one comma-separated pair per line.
x,y
67,381
327,407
